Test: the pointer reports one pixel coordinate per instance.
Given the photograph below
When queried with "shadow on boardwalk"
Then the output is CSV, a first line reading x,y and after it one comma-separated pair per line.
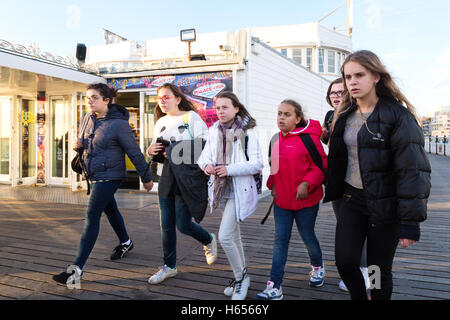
x,y
39,239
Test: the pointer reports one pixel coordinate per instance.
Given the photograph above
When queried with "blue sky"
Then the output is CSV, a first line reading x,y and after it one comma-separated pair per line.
x,y
411,37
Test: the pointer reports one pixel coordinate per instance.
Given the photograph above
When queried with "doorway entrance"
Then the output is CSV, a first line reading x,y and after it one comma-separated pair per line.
x,y
26,147
131,101
60,123
5,138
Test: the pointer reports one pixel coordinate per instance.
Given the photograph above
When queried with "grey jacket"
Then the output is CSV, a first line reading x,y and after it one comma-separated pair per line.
x,y
105,142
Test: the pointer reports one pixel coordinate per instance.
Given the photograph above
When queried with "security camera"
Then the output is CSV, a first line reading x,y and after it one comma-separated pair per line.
x,y
225,47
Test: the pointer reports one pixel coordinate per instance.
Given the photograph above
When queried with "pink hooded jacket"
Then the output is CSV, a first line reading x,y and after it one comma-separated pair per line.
x,y
292,164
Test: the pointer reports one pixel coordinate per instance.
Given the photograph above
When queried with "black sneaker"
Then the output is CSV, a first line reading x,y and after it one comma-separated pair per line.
x,y
121,251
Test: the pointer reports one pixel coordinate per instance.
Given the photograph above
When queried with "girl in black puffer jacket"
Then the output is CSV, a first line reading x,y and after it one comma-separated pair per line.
x,y
378,166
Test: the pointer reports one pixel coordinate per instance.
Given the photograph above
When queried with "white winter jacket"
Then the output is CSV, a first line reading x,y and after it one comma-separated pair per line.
x,y
241,170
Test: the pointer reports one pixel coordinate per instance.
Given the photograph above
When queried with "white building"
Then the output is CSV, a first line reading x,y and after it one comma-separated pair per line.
x,y
260,75
312,45
440,122
41,102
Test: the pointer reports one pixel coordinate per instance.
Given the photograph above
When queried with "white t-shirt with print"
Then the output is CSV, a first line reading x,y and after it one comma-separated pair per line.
x,y
171,128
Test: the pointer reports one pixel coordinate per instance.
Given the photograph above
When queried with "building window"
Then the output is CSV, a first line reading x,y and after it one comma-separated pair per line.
x,y
284,52
297,55
308,58
331,62
321,56
339,61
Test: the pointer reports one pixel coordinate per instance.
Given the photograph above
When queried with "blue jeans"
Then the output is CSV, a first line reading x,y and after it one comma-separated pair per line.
x,y
102,199
173,212
305,220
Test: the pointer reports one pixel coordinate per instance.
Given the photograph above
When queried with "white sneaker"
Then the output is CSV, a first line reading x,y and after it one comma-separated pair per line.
x,y
342,286
365,273
230,288
211,250
317,276
163,273
270,293
241,287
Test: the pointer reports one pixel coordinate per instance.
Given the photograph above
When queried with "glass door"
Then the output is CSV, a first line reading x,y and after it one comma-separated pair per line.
x,y
149,120
5,138
131,100
78,111
59,140
27,141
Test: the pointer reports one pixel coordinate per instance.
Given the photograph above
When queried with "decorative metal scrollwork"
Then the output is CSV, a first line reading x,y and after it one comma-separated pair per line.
x,y
33,51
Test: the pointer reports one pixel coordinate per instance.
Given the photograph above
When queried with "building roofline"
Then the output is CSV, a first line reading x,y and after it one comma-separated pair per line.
x,y
257,40
26,63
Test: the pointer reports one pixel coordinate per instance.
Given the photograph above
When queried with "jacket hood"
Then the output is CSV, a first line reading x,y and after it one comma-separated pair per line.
x,y
116,111
312,127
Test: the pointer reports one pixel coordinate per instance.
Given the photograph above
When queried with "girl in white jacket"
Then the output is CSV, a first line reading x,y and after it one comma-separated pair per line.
x,y
231,160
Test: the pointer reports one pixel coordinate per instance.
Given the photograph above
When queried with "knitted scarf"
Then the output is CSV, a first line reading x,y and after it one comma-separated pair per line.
x,y
227,136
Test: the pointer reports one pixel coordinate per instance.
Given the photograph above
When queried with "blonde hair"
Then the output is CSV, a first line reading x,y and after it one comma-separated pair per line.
x,y
385,87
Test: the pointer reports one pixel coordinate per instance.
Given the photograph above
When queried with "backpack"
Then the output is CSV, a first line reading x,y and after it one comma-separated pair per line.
x,y
313,152
310,147
258,176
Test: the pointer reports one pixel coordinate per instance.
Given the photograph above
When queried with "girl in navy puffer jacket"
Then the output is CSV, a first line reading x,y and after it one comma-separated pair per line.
x,y
106,139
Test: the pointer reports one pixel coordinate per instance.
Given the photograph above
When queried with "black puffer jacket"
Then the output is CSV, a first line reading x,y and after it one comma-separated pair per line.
x,y
182,175
395,170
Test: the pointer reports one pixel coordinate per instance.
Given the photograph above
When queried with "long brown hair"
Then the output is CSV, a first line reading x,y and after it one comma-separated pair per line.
x,y
385,87
184,105
243,112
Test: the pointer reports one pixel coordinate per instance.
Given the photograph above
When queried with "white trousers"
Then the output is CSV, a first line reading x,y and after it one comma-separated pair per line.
x,y
230,239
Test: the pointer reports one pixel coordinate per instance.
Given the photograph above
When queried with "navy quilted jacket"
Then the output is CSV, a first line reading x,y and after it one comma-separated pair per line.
x,y
105,142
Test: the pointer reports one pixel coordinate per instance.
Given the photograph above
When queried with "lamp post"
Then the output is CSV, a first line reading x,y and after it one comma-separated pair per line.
x,y
188,35
445,143
437,142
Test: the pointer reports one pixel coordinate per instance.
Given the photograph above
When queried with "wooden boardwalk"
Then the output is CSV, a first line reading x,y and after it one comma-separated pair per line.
x,y
39,239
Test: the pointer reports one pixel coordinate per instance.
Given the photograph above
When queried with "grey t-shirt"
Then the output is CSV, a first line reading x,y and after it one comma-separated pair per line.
x,y
354,123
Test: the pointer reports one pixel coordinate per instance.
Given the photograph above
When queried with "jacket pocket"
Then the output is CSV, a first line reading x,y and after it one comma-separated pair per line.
x,y
98,164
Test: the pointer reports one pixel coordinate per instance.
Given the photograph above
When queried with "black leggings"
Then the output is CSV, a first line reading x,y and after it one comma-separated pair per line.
x,y
336,205
352,228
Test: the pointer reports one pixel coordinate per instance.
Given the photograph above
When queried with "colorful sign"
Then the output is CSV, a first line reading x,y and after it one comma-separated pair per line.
x,y
41,140
199,88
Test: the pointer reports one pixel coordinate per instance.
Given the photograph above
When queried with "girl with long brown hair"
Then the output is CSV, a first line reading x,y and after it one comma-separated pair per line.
x,y
231,158
177,122
378,166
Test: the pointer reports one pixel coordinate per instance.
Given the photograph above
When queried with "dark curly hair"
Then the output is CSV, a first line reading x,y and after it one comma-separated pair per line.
x,y
105,91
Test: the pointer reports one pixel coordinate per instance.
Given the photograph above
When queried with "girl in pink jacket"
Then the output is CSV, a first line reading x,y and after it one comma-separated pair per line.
x,y
296,185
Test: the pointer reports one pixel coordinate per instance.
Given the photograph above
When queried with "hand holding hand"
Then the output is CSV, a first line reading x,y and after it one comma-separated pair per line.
x,y
221,171
148,185
209,170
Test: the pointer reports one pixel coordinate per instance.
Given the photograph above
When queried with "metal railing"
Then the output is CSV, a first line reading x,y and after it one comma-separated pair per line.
x,y
437,145
34,52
